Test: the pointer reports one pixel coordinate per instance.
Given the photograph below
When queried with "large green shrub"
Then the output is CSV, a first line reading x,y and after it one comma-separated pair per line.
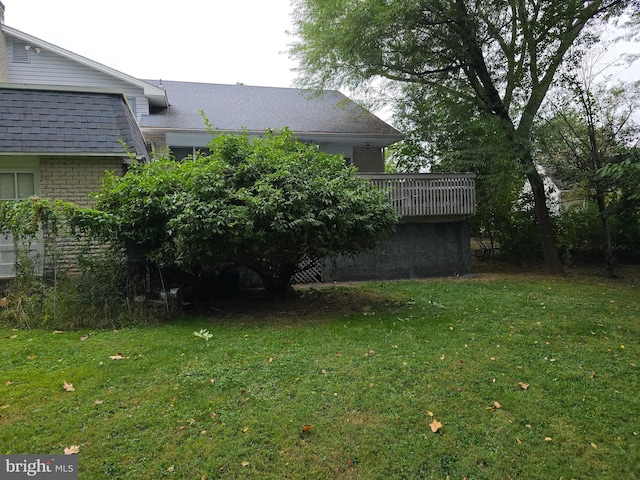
x,y
264,203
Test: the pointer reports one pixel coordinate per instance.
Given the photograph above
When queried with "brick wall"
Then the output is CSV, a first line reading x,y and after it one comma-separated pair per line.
x,y
72,179
368,160
157,139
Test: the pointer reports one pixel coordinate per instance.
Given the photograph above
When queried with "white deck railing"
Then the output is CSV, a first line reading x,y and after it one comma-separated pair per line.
x,y
428,194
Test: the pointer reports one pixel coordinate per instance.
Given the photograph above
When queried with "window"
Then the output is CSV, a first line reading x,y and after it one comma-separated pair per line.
x,y
16,185
181,153
132,105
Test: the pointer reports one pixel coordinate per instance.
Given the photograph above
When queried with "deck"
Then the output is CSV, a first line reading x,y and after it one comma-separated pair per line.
x,y
428,194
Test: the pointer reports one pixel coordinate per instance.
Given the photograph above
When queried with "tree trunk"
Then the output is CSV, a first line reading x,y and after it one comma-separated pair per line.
x,y
545,228
606,234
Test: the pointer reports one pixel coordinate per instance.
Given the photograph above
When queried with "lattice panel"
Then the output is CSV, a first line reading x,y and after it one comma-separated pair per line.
x,y
311,272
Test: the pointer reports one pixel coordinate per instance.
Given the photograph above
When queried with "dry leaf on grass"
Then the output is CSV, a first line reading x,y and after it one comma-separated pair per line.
x,y
307,427
245,464
68,386
117,356
84,337
496,405
72,450
523,386
435,426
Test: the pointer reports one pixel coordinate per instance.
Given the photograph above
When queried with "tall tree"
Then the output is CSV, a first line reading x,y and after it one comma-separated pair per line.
x,y
500,55
591,125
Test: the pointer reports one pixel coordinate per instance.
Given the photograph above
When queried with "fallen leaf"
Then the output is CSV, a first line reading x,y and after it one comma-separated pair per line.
x,y
13,336
84,337
442,357
32,357
213,415
56,332
68,387
324,372
338,354
245,429
171,469
4,301
8,382
547,439
117,356
5,406
98,402
518,441
72,450
270,359
496,405
523,386
594,445
435,426
493,359
430,413
307,427
245,464
593,375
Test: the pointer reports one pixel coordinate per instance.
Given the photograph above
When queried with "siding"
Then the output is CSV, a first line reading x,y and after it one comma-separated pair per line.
x,y
47,68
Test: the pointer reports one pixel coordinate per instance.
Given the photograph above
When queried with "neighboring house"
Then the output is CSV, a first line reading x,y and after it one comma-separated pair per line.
x,y
65,116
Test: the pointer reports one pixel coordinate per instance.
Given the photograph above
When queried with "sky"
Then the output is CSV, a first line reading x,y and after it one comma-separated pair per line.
x,y
211,41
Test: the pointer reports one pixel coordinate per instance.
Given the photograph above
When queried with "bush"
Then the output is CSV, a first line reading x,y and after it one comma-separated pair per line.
x,y
262,203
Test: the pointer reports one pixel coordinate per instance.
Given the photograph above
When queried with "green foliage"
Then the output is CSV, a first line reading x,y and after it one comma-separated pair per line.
x,y
580,234
498,58
95,288
265,203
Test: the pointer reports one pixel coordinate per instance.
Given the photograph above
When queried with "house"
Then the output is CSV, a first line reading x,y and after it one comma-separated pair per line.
x,y
66,117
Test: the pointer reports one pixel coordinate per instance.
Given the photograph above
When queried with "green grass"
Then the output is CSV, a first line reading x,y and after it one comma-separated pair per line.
x,y
366,365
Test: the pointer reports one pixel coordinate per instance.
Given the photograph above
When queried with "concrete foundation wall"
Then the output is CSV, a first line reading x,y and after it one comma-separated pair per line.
x,y
414,250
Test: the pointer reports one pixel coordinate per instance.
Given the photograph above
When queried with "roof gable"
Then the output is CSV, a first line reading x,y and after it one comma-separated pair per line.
x,y
156,95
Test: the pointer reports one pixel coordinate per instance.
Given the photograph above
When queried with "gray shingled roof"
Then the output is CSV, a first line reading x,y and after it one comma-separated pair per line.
x,y
234,107
45,121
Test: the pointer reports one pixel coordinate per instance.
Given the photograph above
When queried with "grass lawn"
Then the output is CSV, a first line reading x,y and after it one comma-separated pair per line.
x,y
530,377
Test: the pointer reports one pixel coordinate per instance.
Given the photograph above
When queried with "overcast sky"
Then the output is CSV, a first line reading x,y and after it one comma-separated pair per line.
x,y
212,41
